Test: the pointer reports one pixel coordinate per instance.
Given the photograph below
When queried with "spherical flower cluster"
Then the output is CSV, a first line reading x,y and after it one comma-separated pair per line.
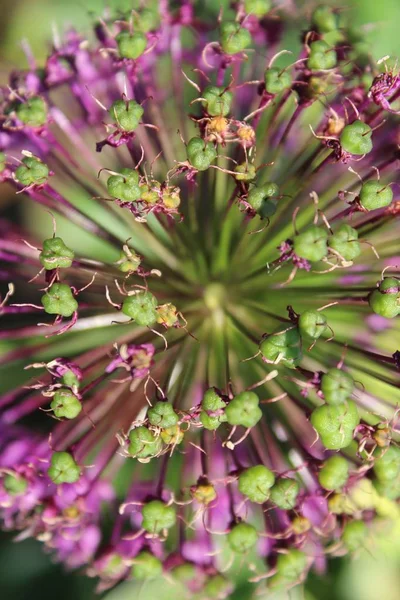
x,y
219,375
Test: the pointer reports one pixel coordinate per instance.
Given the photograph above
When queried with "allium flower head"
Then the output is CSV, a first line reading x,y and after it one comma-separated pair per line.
x,y
219,374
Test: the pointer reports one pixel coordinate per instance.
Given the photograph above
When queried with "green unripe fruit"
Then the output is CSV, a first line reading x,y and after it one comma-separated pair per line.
x,y
389,285
244,410
146,20
311,244
125,187
33,112
384,303
312,323
324,19
158,516
217,100
162,414
217,587
141,307
211,423
291,566
143,443
356,138
388,488
146,566
234,38
345,241
126,114
55,254
263,199
63,468
212,401
387,464
276,80
337,386
334,474
200,154
65,404
335,424
185,573
284,493
70,379
255,483
245,172
15,485
284,345
354,535
374,194
258,8
210,404
242,537
128,263
32,172
322,56
59,300
131,45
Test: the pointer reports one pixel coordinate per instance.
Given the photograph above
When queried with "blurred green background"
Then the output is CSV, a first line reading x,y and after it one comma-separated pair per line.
x,y
25,571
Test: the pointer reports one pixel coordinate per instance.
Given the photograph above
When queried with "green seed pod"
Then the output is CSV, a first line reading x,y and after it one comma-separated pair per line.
x,y
388,488
385,300
128,263
158,516
276,80
63,468
242,537
212,403
141,307
172,435
211,423
387,464
311,244
65,404
148,19
345,241
55,254
146,566
284,345
217,587
258,8
322,56
245,172
59,300
33,112
324,19
284,493
218,100
291,565
263,199
200,154
32,172
126,114
354,535
234,38
131,45
356,138
162,414
337,386
335,424
244,410
70,379
374,194
125,187
143,443
185,573
255,483
15,485
334,474
312,323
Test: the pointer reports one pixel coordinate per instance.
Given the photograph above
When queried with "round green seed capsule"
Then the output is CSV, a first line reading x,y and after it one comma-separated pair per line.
x,y
32,172
143,443
334,474
337,386
244,410
322,56
212,403
258,8
387,464
158,516
388,488
218,100
291,565
146,566
374,194
234,38
217,587
126,114
356,138
141,307
33,112
242,537
263,199
65,404
59,300
311,244
245,172
385,303
335,424
131,45
255,483
162,414
312,323
354,535
283,345
55,254
63,468
15,485
125,186
324,19
345,241
276,80
284,493
200,154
